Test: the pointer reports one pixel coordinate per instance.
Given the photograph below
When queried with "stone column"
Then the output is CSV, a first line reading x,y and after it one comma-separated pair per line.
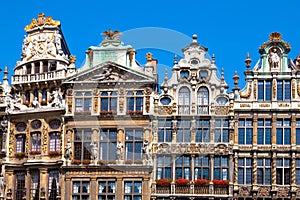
x,y
293,131
212,129
68,189
235,171
27,183
193,167
254,142
174,130
254,171
9,177
154,167
236,133
119,188
173,168
211,169
93,189
293,172
273,171
231,169
274,120
146,191
44,179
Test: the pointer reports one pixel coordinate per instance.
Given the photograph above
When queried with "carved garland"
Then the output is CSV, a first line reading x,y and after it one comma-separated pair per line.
x,y
246,95
274,88
294,88
11,142
45,138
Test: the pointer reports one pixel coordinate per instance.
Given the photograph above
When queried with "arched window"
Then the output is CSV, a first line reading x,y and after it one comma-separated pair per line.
x,y
203,100
184,101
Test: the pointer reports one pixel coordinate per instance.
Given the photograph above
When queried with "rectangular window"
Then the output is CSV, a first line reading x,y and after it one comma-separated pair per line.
x,y
82,141
133,190
165,130
183,131
81,190
245,171
183,167
264,171
36,142
135,101
108,101
283,90
83,102
283,131
245,131
283,171
106,190
20,143
35,184
264,129
133,144
20,190
164,166
264,90
202,167
54,144
221,130
202,130
53,184
108,142
221,168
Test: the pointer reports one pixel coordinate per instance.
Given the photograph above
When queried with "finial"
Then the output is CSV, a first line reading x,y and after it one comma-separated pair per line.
x,y
5,77
166,75
248,61
236,79
213,59
175,59
195,38
149,57
222,74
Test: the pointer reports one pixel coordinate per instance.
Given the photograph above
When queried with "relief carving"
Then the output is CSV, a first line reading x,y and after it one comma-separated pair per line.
x,y
165,110
45,139
221,110
70,102
11,142
274,85
96,104
255,89
248,93
244,191
264,191
293,88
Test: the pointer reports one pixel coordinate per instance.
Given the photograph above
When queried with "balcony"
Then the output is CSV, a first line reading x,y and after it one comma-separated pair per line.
x,y
29,78
191,190
202,109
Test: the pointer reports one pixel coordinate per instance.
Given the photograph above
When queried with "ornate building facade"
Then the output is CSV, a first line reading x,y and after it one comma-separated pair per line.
x,y
193,130
266,144
106,130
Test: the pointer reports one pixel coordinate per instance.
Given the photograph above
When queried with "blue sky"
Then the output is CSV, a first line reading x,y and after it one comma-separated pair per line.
x,y
229,29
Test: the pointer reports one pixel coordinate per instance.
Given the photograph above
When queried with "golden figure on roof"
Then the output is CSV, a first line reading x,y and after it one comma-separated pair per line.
x,y
111,35
42,20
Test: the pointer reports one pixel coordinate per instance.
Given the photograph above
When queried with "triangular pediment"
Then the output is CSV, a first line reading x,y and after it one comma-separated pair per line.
x,y
110,72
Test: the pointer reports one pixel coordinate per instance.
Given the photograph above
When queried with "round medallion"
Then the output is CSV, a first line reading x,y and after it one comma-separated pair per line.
x,y
21,126
41,48
36,124
54,124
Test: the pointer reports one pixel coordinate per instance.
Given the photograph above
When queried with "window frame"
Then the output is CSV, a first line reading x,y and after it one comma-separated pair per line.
x,y
165,127
84,137
245,171
223,128
137,144
184,99
132,194
82,195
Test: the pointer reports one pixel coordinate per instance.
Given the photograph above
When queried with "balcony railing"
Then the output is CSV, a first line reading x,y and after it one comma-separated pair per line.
x,y
183,109
27,78
222,190
202,109
201,189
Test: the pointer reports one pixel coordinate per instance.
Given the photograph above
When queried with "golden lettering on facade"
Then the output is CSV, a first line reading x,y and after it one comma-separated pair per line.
x,y
244,105
45,138
264,105
284,105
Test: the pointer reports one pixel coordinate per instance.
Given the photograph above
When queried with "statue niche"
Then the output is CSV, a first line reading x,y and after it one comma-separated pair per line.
x,y
274,58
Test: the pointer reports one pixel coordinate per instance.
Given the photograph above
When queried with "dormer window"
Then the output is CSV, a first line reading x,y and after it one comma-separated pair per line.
x,y
203,74
184,74
194,61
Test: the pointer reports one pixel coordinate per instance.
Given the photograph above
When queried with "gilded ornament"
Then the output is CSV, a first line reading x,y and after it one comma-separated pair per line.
x,y
293,88
41,21
255,89
264,105
274,88
245,105
70,102
11,142
96,104
121,104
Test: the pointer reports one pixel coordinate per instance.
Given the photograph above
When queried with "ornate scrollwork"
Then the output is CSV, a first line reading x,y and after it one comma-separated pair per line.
x,y
11,142
248,93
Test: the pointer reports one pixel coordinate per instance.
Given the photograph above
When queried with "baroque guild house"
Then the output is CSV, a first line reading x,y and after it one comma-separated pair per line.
x,y
109,130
